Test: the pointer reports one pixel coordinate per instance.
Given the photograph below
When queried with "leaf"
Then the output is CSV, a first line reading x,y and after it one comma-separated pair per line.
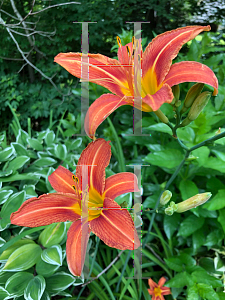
x,y
44,162
193,293
6,254
171,224
219,155
190,225
17,283
214,237
217,202
207,292
53,255
4,195
18,162
45,269
49,138
180,280
221,218
4,293
74,144
203,277
59,282
161,127
188,189
35,144
6,153
174,263
169,158
215,164
53,234
35,288
198,239
23,258
61,151
20,150
202,154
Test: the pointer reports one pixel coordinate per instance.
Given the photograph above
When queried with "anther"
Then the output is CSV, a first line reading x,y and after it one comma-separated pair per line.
x,y
118,41
75,179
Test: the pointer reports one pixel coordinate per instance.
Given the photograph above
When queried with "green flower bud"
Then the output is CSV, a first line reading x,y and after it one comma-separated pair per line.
x,y
176,93
191,157
192,94
177,103
192,202
171,208
165,197
198,105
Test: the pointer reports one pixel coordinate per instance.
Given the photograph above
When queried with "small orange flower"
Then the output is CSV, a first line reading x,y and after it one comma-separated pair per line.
x,y
157,290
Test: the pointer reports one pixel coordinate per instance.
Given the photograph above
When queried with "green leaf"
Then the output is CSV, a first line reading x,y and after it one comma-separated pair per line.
x,y
193,293
6,153
161,127
35,144
59,282
35,288
214,238
44,162
17,283
203,277
169,158
4,293
221,218
18,162
23,258
20,150
4,195
49,138
45,269
207,292
188,189
221,295
61,151
198,239
202,154
190,225
179,280
187,259
30,191
171,224
219,155
207,263
215,164
174,263
53,255
75,144
6,254
53,234
217,202
5,173
4,276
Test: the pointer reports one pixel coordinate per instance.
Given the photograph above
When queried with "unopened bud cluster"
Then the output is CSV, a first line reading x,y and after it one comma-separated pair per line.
x,y
190,203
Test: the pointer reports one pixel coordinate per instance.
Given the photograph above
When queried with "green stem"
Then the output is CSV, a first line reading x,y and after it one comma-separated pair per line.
x,y
120,151
29,126
212,139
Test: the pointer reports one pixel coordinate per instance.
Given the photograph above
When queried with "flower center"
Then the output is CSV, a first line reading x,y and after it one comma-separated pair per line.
x,y
157,291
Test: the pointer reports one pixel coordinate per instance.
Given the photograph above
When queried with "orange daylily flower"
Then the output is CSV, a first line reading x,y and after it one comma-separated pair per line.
x,y
157,290
105,218
149,76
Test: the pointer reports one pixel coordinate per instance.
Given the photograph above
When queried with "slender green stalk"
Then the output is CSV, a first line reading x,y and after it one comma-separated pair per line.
x,y
14,115
29,126
120,151
123,270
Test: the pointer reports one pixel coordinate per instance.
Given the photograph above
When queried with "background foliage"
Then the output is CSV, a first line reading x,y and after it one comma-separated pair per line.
x,y
38,129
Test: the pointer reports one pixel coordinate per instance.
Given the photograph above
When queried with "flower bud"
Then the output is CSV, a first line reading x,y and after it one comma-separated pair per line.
x,y
177,103
192,202
176,93
198,105
218,131
192,94
165,197
191,157
171,208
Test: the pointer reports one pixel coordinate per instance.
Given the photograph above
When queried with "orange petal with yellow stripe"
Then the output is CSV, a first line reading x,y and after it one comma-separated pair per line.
x,y
99,110
115,227
62,180
47,209
191,71
76,245
119,184
164,95
101,69
92,163
159,54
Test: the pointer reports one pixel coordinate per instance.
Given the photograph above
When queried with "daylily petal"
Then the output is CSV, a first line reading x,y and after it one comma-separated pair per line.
x,y
99,110
76,245
159,54
97,156
46,209
165,290
115,227
151,292
119,184
123,54
162,281
191,71
62,180
152,284
103,70
164,95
